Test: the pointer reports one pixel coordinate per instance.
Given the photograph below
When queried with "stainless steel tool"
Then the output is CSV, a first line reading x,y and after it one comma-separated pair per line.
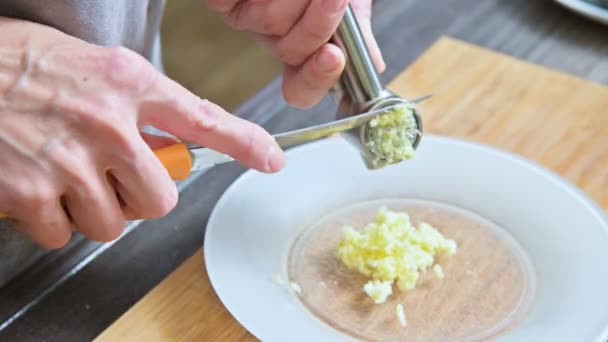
x,y
360,96
359,88
180,160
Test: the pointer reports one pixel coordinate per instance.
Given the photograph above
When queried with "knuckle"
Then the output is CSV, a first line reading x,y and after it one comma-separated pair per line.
x,y
273,23
59,238
289,55
63,161
126,145
262,21
154,202
169,201
36,198
106,127
128,149
119,58
80,182
107,231
46,235
34,193
102,228
209,116
125,148
127,69
316,34
163,206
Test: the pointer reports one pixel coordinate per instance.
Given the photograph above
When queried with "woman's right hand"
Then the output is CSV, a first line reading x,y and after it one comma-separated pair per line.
x,y
72,154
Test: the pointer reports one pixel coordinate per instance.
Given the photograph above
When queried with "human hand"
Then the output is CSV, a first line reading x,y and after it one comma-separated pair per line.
x,y
298,31
70,141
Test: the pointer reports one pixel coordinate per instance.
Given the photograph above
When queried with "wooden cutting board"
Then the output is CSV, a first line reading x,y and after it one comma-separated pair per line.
x,y
554,119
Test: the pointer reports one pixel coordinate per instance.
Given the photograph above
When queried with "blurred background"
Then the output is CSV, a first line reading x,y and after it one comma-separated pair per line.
x,y
209,58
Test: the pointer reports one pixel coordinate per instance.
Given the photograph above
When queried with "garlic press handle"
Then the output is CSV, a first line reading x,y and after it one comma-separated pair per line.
x,y
359,80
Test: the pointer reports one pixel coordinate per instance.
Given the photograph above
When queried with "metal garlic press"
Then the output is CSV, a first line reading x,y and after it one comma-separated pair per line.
x,y
359,89
360,97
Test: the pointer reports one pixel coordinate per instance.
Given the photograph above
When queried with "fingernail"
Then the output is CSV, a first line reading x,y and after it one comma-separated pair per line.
x,y
326,61
334,6
275,159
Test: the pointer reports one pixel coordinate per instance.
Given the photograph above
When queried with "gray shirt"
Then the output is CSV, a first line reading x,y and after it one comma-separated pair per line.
x,y
134,24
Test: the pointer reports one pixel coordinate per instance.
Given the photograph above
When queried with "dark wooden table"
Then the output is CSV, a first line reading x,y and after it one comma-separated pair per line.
x,y
540,31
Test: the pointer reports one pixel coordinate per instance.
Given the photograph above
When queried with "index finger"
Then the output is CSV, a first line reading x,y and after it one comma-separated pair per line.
x,y
170,107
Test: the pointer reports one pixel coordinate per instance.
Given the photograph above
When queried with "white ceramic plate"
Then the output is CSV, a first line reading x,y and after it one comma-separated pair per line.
x,y
588,9
564,234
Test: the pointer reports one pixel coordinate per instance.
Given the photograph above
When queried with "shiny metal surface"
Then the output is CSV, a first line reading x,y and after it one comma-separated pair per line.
x,y
359,89
359,78
301,136
304,135
414,134
78,307
205,158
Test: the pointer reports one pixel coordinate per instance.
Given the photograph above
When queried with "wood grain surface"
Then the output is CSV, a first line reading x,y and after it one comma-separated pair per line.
x,y
552,118
183,307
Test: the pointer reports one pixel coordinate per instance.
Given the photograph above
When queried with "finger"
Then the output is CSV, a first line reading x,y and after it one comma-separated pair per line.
x,y
143,184
94,207
312,31
156,142
222,6
275,17
29,197
362,10
48,226
186,116
305,86
88,200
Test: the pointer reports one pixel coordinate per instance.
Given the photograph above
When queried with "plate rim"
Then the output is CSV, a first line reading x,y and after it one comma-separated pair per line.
x,y
589,10
534,166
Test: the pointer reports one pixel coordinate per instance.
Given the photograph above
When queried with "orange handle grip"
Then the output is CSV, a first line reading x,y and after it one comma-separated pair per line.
x,y
175,158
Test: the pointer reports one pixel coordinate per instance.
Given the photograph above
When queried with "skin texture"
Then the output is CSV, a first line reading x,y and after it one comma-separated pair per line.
x,y
72,155
298,31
